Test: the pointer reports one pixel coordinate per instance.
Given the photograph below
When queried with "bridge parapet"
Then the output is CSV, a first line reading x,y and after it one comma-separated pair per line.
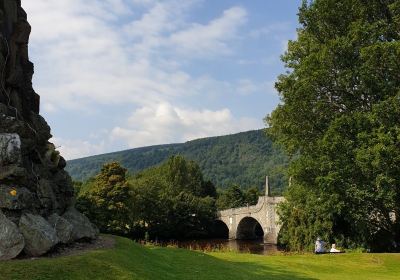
x,y
262,200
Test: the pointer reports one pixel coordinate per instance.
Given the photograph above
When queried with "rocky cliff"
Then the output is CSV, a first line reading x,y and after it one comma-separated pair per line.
x,y
36,194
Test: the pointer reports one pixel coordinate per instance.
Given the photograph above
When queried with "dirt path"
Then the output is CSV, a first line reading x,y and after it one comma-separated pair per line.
x,y
77,248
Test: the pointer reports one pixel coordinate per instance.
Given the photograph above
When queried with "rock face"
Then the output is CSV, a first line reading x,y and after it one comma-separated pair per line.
x,y
39,235
33,183
10,149
62,227
11,240
82,227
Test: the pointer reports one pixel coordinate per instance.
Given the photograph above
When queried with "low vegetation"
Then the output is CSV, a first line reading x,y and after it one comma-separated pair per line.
x,y
132,261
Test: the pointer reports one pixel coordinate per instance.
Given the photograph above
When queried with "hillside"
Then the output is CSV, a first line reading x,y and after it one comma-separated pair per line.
x,y
244,158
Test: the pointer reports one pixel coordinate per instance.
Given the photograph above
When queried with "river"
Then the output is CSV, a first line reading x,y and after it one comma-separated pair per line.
x,y
242,246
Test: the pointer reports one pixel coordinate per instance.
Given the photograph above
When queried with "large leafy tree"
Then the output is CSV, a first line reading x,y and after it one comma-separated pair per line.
x,y
173,200
340,118
168,201
107,200
234,197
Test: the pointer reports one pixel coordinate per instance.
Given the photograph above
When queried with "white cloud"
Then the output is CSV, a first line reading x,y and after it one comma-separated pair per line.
x,y
158,19
261,61
164,123
270,30
72,149
84,60
100,52
48,107
213,37
247,87
143,2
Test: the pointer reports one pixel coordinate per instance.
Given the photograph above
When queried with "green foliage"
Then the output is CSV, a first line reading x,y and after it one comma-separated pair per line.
x,y
234,197
244,159
106,200
173,200
252,195
168,201
340,117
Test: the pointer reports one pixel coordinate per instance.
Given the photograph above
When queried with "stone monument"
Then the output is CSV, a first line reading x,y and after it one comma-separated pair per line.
x,y
36,194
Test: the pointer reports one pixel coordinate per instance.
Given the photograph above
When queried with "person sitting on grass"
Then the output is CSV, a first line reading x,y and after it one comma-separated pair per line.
x,y
320,246
334,250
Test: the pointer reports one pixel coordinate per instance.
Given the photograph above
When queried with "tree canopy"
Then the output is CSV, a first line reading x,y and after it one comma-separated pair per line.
x,y
106,200
234,197
340,118
170,201
173,200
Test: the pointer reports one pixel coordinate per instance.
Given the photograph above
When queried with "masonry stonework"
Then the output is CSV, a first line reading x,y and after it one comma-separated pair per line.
x,y
242,222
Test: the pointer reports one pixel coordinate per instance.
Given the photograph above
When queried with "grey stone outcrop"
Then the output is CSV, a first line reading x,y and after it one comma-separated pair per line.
x,y
39,235
33,184
82,227
15,198
62,227
11,240
10,148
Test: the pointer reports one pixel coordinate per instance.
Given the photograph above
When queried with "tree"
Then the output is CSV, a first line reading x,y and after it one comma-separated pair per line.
x,y
339,118
106,200
168,201
235,197
173,200
252,195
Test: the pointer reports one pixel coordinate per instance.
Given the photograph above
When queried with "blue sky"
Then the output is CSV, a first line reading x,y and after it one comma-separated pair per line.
x,y
119,74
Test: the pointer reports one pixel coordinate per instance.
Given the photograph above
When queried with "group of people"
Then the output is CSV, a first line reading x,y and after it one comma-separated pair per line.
x,y
320,247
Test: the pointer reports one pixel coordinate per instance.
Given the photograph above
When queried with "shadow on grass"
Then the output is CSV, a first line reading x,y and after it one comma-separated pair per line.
x,y
184,264
132,261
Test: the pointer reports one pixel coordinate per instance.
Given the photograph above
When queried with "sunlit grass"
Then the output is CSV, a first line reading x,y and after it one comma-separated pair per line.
x,y
129,260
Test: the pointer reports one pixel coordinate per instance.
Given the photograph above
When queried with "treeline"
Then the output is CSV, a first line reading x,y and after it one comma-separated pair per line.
x,y
169,201
244,159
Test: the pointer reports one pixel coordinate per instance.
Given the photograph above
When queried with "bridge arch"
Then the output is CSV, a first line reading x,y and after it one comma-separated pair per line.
x,y
219,229
249,228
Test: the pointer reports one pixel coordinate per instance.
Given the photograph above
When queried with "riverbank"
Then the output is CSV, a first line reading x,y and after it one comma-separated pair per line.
x,y
128,260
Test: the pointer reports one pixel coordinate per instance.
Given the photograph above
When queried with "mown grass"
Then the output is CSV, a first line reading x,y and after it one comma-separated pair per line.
x,y
132,261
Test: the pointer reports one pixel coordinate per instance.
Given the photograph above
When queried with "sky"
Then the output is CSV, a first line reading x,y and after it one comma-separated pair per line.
x,y
120,74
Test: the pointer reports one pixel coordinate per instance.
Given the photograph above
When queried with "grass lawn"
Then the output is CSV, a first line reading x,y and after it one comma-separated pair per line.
x,y
131,261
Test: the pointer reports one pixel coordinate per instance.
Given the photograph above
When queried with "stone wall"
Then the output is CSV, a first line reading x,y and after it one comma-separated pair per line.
x,y
264,213
36,194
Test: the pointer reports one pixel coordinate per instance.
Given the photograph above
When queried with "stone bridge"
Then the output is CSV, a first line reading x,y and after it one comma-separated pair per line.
x,y
255,221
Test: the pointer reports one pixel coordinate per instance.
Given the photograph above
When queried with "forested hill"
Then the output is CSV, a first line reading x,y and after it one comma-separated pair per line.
x,y
244,159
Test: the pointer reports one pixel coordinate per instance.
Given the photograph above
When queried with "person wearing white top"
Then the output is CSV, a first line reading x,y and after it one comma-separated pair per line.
x,y
320,246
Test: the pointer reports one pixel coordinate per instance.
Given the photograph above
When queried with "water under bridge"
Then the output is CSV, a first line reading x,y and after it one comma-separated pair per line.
x,y
255,221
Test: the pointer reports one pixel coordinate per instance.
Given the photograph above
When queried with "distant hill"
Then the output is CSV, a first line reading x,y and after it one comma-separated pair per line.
x,y
244,159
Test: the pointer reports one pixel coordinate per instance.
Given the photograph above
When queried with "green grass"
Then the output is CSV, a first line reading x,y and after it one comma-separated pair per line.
x,y
131,261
